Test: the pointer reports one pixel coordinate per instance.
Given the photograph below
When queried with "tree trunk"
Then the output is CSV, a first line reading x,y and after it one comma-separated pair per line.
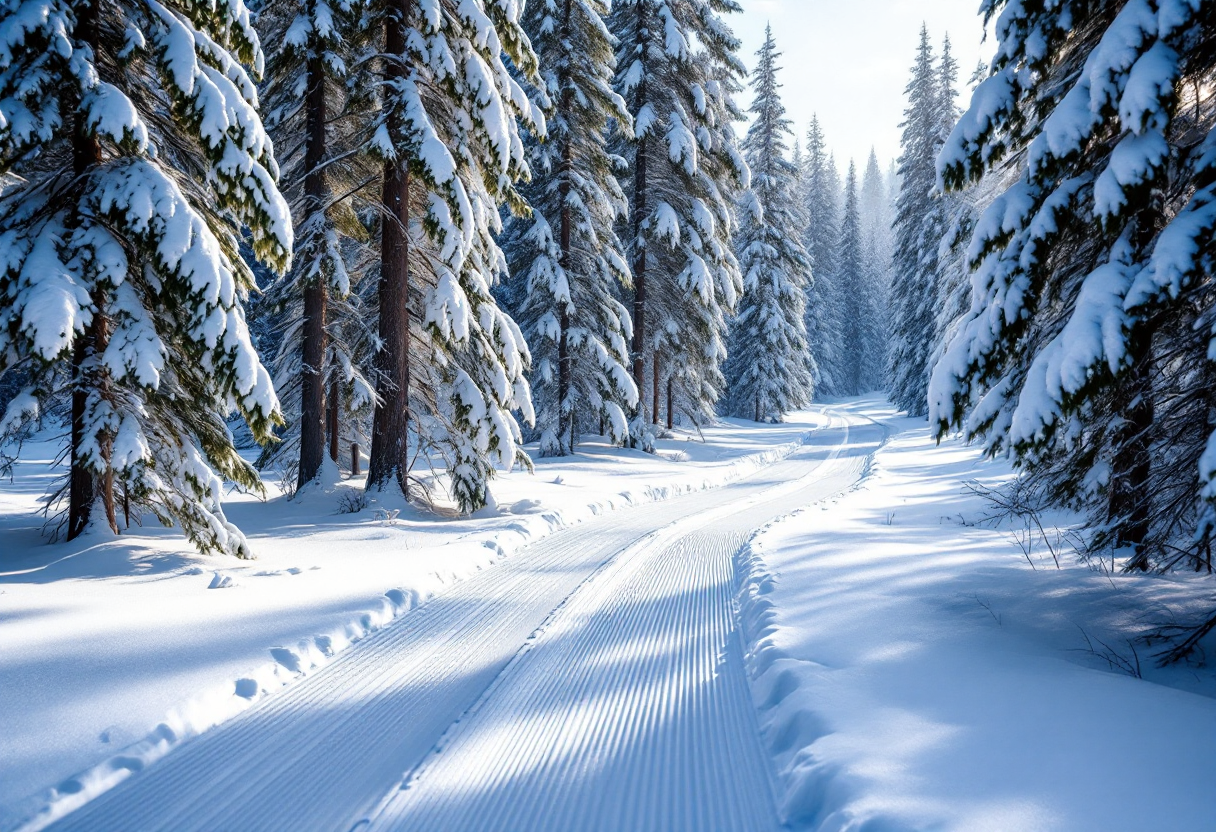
x,y
638,213
312,381
757,419
565,422
670,409
390,424
654,406
333,403
86,486
1129,502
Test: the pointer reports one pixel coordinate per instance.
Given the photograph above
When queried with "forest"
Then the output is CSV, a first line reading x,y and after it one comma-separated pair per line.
x,y
407,247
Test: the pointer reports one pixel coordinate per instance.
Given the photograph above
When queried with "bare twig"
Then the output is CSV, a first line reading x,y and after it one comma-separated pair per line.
x,y
1113,658
988,607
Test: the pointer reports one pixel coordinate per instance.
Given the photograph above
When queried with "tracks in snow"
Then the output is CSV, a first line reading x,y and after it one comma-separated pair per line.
x,y
592,681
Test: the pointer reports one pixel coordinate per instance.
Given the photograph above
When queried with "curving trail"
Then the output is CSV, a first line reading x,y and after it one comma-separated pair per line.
x,y
594,681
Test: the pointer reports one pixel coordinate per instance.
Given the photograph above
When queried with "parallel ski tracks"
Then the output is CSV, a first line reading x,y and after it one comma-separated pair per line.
x,y
591,682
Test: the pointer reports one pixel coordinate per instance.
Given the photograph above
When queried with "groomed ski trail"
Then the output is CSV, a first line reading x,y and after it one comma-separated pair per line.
x,y
594,681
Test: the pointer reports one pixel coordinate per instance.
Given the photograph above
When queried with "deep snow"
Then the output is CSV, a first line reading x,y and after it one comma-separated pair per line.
x,y
914,672
911,669
113,650
592,681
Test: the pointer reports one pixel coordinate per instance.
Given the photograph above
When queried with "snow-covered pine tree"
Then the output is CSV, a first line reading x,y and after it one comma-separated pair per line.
x,y
131,136
918,231
768,373
1086,349
851,280
568,251
451,366
800,207
696,371
961,209
319,323
678,71
875,208
821,188
698,360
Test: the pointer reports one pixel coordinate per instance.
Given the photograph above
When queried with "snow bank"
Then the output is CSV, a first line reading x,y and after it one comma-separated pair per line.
x,y
118,649
914,671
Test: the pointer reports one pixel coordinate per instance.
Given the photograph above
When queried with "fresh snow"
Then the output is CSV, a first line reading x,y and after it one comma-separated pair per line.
x,y
116,649
915,672
904,664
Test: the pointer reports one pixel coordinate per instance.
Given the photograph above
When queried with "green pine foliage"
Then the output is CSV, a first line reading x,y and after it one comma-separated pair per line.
x,y
678,71
769,370
921,221
136,159
567,254
313,112
449,116
820,188
1087,347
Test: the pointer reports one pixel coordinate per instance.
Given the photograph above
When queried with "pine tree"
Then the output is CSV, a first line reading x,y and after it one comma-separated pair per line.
x,y
769,372
918,231
960,209
568,251
851,277
135,154
800,208
451,365
875,210
678,71
824,325
318,323
1086,346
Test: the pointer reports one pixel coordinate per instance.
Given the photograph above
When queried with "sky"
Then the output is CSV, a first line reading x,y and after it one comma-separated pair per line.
x,y
849,61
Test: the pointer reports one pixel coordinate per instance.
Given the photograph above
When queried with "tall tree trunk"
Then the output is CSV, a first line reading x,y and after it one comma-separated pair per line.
x,y
82,489
638,213
390,424
1132,464
639,277
565,423
86,486
312,382
1130,503
670,409
654,398
333,401
564,416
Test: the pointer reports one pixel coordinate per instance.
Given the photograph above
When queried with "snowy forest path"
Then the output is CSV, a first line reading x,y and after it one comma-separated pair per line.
x,y
592,681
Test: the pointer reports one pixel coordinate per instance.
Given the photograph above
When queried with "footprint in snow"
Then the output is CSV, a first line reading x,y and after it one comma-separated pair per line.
x,y
246,688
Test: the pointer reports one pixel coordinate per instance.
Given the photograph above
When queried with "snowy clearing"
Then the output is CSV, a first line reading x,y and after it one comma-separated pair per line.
x,y
915,672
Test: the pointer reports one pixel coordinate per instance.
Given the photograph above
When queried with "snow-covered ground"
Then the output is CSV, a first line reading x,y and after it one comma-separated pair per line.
x,y
915,672
113,650
913,667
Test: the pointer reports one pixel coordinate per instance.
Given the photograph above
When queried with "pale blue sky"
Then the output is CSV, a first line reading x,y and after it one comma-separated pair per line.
x,y
849,60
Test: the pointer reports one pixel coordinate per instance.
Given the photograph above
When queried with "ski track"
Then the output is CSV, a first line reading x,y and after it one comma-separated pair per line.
x,y
593,681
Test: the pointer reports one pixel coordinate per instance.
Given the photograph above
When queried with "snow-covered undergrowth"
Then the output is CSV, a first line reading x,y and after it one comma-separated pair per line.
x,y
913,671
114,650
